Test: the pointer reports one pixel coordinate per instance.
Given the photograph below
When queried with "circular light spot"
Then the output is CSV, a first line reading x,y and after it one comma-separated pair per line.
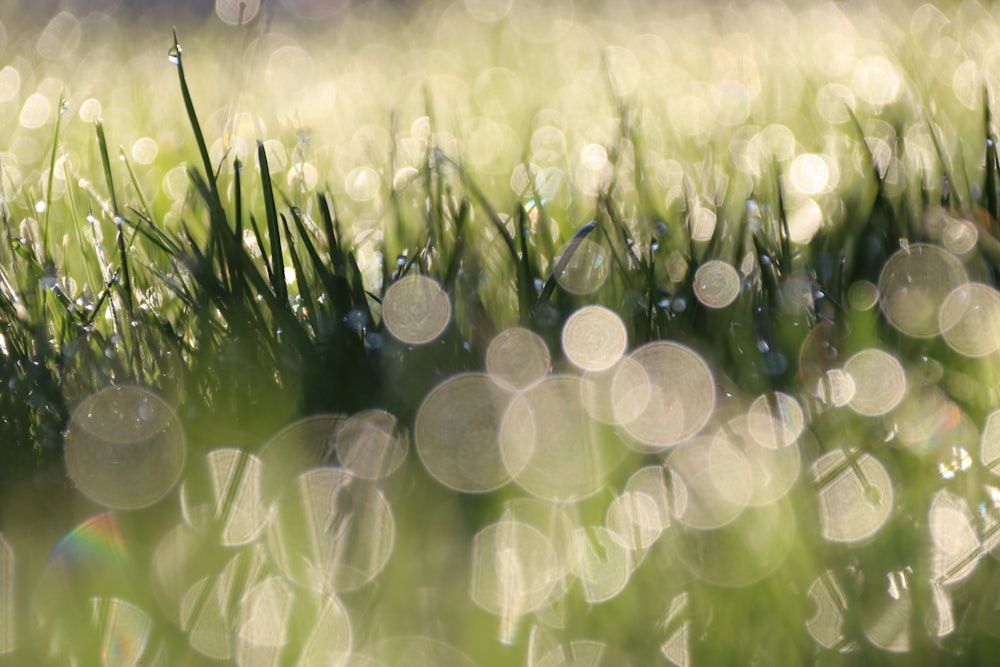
x,y
827,624
124,447
517,358
301,445
371,445
362,184
913,282
456,433
547,442
833,100
331,531
774,471
875,80
226,494
970,320
743,551
711,480
809,174
603,564
144,150
488,10
237,12
879,382
862,295
989,453
716,284
703,222
959,236
35,111
594,338
665,396
775,420
10,83
954,538
835,388
514,569
61,37
416,310
635,520
302,176
585,270
855,495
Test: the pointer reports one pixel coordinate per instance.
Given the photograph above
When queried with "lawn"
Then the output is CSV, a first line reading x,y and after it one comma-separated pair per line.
x,y
496,332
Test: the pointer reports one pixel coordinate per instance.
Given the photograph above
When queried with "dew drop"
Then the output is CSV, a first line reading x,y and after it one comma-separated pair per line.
x,y
174,54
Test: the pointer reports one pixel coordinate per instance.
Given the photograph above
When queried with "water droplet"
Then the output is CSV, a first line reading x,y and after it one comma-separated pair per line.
x,y
63,107
679,305
661,228
174,54
654,246
989,142
401,260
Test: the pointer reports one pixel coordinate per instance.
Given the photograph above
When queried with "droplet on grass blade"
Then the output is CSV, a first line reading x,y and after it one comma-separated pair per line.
x,y
124,447
456,433
416,310
594,338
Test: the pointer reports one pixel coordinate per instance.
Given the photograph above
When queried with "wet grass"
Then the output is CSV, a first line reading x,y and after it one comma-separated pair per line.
x,y
253,311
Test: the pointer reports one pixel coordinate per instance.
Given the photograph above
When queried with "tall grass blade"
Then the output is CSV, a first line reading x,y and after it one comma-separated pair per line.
x,y
199,137
273,229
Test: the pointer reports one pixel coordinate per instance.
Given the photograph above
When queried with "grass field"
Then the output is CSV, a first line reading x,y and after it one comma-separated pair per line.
x,y
499,332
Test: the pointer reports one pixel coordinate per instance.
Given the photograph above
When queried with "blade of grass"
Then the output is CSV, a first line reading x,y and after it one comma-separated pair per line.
x,y
273,230
175,57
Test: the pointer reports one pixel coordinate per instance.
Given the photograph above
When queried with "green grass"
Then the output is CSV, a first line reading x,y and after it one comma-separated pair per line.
x,y
186,333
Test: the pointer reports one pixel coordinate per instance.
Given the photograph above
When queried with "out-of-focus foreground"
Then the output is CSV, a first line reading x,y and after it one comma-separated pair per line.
x,y
499,332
